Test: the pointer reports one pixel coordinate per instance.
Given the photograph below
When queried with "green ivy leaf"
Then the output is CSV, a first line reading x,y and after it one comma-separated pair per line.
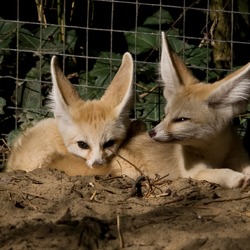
x,y
104,70
101,75
7,32
28,40
160,17
143,40
47,40
29,91
198,56
71,39
6,28
149,106
177,44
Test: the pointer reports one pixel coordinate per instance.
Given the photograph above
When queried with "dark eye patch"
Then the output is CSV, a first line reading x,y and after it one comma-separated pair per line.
x,y
82,145
181,119
109,143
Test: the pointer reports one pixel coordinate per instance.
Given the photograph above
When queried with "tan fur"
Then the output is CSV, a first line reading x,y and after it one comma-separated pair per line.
x,y
194,140
198,119
35,147
100,125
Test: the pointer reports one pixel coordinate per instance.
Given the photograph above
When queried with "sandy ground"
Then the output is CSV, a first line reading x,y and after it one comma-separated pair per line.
x,y
45,209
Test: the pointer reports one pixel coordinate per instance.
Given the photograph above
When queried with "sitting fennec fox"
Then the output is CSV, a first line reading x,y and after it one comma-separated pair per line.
x,y
194,140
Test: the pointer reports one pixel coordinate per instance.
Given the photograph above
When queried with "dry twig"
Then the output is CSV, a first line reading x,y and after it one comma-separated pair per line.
x,y
119,232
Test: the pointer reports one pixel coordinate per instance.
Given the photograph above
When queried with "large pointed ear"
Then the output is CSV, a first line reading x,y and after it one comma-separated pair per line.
x,y
120,92
174,72
232,93
63,93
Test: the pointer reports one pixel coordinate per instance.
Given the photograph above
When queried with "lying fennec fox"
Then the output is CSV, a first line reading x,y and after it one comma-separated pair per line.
x,y
92,130
194,140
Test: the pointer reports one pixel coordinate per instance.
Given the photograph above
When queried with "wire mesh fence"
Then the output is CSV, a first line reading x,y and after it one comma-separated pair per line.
x,y
90,37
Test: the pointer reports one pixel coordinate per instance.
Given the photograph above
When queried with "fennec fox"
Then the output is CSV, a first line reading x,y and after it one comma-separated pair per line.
x,y
194,140
197,122
92,130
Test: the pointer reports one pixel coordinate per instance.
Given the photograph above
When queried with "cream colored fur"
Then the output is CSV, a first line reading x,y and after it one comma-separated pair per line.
x,y
92,130
194,140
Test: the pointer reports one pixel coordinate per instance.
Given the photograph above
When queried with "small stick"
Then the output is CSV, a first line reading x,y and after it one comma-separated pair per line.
x,y
93,196
161,178
119,232
136,168
143,95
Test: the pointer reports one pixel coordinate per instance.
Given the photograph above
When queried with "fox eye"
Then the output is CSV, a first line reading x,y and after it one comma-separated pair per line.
x,y
82,145
109,143
181,119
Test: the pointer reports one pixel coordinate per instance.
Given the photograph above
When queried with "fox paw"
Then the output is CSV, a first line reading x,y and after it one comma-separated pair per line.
x,y
243,182
237,180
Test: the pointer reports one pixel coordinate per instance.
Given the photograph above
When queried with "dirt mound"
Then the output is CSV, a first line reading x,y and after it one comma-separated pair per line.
x,y
45,209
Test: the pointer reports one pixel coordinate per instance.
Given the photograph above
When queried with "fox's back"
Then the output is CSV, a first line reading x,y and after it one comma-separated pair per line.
x,y
151,157
35,146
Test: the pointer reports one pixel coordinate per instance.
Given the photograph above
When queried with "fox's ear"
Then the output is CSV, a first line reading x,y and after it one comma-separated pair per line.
x,y
63,93
120,92
232,93
174,72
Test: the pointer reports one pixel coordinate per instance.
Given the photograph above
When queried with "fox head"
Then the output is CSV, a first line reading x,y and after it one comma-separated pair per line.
x,y
93,129
197,111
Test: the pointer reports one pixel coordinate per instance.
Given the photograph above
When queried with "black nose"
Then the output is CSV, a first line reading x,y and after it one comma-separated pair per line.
x,y
152,133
